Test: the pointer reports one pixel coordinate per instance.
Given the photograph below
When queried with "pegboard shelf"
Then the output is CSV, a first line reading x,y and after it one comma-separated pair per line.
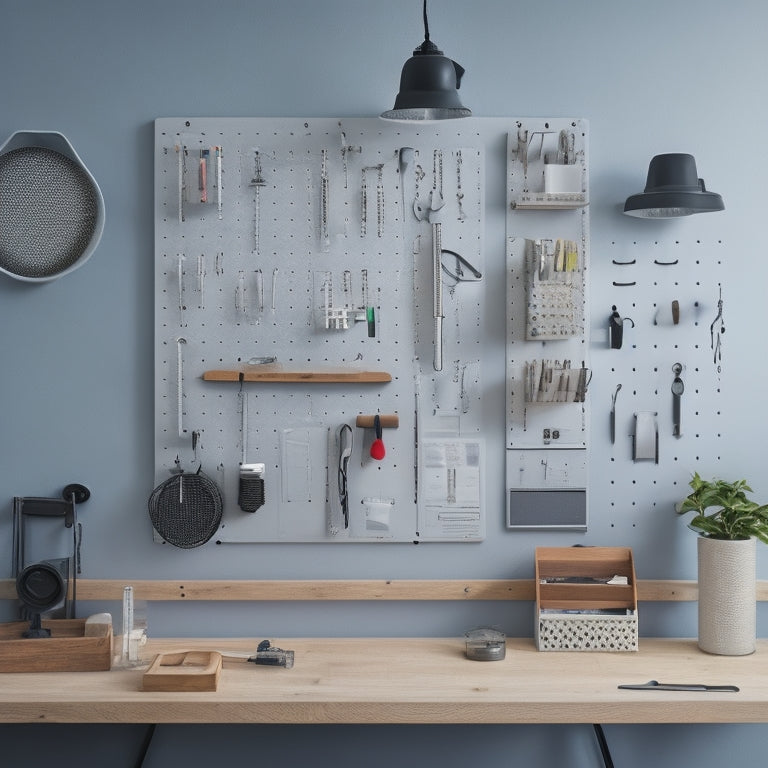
x,y
547,268
549,202
272,375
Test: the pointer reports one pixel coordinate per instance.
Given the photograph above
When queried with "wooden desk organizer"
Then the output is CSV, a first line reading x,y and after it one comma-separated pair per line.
x,y
75,645
183,671
575,609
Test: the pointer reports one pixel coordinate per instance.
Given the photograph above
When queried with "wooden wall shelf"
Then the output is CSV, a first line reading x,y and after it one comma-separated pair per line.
x,y
349,589
271,374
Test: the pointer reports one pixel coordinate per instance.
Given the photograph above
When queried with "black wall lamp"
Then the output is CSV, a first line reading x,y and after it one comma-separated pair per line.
x,y
672,189
429,85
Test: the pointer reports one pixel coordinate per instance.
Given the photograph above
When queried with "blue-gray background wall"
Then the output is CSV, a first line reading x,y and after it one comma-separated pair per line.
x,y
77,360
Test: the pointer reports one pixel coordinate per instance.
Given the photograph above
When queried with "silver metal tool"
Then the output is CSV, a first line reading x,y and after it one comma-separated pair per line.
x,y
180,342
436,199
257,181
437,294
677,390
613,414
324,193
219,161
717,329
181,155
655,685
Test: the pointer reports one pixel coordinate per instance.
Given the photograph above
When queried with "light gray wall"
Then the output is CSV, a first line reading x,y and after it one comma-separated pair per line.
x,y
77,380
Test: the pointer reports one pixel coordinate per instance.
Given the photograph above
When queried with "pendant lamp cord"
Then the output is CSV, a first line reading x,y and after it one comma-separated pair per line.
x,y
426,23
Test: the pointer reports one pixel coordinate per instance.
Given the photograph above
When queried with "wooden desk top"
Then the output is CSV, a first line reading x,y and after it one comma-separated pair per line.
x,y
414,680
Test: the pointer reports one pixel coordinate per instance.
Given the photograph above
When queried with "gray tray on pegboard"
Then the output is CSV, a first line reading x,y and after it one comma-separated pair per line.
x,y
51,208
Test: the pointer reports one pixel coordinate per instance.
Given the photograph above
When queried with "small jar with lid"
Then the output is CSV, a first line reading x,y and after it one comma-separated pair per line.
x,y
485,644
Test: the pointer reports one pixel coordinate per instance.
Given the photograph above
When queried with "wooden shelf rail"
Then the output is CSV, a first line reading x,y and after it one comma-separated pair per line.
x,y
349,589
276,375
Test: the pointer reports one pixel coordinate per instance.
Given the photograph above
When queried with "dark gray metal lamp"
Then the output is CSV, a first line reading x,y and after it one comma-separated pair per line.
x,y
429,85
672,189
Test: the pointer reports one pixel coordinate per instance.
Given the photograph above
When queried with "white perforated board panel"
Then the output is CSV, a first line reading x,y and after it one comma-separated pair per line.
x,y
277,237
548,365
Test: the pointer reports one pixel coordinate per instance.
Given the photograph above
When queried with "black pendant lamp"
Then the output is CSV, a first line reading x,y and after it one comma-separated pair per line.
x,y
428,85
672,189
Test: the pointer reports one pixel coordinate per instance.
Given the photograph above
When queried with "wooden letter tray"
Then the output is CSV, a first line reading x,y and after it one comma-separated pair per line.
x,y
75,645
586,599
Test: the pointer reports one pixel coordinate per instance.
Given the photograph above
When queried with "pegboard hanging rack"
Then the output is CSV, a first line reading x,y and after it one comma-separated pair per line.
x,y
547,265
316,270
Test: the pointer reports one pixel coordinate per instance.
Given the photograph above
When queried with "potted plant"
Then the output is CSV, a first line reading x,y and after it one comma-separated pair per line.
x,y
726,561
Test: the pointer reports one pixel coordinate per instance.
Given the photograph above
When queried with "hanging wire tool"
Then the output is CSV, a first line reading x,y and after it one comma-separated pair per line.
x,y
457,274
715,333
345,451
437,294
613,414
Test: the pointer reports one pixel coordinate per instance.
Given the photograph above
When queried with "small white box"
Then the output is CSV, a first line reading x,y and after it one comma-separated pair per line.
x,y
563,179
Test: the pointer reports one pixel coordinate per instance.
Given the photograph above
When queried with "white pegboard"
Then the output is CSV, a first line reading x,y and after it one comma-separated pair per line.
x,y
277,237
643,277
548,361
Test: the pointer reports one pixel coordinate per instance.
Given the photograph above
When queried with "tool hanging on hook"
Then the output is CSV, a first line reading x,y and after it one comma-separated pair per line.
x,y
613,414
677,390
715,332
437,295
616,328
345,439
378,451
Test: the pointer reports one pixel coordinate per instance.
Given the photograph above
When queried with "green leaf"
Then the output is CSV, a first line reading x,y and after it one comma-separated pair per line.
x,y
735,516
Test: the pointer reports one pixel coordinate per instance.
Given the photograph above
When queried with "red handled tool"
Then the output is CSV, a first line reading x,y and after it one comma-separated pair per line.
x,y
378,451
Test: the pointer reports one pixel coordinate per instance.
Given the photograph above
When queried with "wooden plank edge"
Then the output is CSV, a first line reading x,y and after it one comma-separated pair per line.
x,y
349,589
351,376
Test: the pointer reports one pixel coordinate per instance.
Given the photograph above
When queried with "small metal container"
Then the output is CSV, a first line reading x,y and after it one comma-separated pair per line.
x,y
485,644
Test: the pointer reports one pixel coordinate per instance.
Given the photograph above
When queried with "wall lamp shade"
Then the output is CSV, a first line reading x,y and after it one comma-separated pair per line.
x,y
429,85
672,189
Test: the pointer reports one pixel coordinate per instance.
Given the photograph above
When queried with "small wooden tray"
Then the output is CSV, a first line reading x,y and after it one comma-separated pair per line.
x,y
183,671
75,645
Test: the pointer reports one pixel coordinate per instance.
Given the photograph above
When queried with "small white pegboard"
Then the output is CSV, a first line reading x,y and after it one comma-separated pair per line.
x,y
669,291
548,371
310,242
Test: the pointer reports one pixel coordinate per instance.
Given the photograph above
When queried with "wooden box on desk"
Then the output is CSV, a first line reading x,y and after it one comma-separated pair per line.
x,y
576,610
75,645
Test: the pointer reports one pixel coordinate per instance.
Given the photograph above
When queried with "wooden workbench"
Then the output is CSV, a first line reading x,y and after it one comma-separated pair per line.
x,y
421,680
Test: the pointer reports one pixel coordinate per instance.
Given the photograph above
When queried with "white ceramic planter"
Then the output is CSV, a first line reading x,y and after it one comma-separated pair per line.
x,y
727,596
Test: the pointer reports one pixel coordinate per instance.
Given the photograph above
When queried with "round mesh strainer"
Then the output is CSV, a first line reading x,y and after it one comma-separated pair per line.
x,y
186,509
50,213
